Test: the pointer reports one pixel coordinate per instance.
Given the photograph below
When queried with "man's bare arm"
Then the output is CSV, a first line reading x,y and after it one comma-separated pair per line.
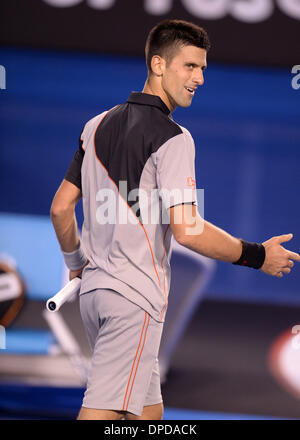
x,y
193,232
64,221
63,216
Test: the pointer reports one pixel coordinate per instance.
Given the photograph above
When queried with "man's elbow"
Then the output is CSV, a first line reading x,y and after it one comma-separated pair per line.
x,y
183,240
59,209
187,234
180,236
185,223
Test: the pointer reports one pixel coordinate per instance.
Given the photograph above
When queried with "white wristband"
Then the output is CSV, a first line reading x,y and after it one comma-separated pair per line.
x,y
75,260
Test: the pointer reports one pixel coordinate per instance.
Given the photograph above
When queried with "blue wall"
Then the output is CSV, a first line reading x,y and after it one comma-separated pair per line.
x,y
246,126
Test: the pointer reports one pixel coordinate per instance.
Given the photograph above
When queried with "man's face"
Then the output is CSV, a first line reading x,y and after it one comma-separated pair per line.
x,y
183,75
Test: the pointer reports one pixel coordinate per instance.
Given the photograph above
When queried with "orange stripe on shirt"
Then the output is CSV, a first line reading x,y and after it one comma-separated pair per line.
x,y
151,251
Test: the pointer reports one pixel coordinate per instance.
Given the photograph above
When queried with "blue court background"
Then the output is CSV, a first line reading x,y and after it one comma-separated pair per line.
x,y
245,122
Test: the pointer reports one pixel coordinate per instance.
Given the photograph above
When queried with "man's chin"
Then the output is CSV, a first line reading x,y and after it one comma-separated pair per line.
x,y
185,104
181,103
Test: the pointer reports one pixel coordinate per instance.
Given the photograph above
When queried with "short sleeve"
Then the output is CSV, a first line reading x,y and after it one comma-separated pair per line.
x,y
175,171
73,173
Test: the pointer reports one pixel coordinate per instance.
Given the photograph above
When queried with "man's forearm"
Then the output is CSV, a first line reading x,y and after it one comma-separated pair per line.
x,y
214,242
65,226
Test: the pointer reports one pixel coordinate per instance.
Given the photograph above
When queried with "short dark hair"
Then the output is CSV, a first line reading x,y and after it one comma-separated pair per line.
x,y
169,35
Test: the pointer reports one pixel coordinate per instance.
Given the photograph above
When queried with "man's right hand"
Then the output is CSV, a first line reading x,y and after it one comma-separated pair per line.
x,y
76,273
278,259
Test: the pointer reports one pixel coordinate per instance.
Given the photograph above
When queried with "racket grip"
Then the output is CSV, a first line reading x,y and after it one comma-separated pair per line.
x,y
71,288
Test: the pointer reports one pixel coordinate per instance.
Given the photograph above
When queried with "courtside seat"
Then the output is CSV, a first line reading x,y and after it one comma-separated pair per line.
x,y
30,241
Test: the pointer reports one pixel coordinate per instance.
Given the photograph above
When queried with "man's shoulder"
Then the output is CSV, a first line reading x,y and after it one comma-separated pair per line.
x,y
95,121
184,130
98,118
180,139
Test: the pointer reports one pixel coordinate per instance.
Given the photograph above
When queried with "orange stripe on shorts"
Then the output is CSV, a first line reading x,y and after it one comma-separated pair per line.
x,y
132,368
138,361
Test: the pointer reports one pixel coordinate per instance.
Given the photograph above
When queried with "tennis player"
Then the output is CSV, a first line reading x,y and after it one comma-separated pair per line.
x,y
126,155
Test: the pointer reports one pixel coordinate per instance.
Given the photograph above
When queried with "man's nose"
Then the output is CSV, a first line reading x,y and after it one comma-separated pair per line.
x,y
199,78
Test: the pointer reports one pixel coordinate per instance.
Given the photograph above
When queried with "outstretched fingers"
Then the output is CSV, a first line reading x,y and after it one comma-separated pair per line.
x,y
283,238
279,260
293,256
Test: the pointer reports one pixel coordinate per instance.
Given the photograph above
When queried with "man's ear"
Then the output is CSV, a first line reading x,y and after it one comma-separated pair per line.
x,y
158,65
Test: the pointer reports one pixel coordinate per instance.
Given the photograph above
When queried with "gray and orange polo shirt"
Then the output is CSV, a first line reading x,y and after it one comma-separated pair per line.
x,y
133,163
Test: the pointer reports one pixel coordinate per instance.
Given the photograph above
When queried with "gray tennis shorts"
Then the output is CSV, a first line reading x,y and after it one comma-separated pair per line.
x,y
124,374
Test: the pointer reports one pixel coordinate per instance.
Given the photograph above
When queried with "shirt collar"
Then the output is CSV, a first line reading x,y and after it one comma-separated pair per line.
x,y
147,99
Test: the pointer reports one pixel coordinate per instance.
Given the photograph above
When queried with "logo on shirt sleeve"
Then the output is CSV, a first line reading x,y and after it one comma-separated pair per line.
x,y
191,182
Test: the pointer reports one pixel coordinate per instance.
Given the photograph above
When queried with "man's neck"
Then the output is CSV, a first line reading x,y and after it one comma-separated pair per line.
x,y
153,89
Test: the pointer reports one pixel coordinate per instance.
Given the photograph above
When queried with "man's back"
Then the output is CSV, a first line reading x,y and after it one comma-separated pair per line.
x,y
132,151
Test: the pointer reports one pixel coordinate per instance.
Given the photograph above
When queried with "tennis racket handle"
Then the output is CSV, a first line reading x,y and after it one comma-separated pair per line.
x,y
71,288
